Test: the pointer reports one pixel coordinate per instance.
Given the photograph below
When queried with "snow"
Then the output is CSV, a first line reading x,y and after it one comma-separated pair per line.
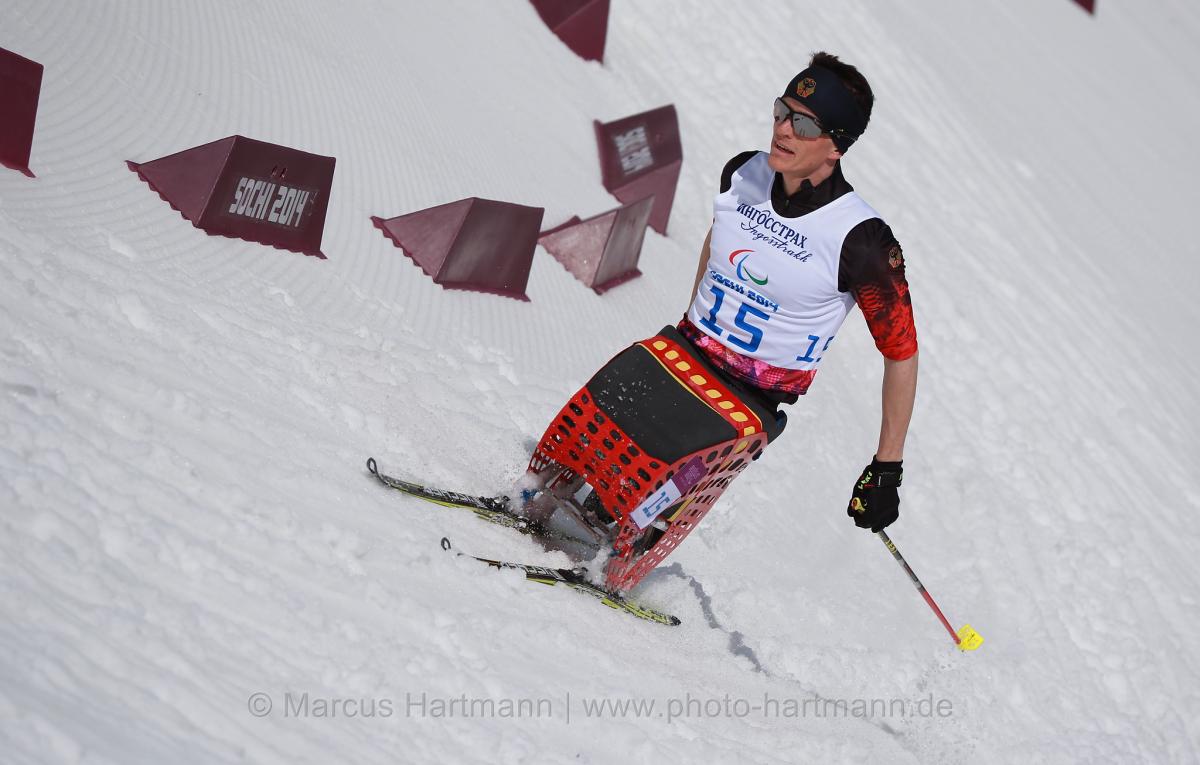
x,y
183,419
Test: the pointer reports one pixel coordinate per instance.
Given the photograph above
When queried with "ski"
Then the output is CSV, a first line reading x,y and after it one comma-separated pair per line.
x,y
575,580
497,510
491,509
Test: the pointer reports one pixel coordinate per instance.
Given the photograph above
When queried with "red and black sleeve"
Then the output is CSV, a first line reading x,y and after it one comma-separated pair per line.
x,y
872,269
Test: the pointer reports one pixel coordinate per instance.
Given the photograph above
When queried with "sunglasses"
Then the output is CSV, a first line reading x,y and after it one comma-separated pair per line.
x,y
803,125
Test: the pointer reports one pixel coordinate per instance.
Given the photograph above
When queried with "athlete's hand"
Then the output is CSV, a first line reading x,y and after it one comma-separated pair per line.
x,y
875,503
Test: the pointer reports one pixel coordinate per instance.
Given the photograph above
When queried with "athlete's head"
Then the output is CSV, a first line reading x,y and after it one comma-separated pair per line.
x,y
838,98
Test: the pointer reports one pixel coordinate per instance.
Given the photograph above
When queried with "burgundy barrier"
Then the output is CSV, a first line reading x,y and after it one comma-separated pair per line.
x,y
20,87
602,251
581,24
247,189
1088,5
640,156
472,244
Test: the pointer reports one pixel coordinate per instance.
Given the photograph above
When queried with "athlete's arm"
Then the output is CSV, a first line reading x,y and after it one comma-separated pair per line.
x,y
872,269
701,266
899,393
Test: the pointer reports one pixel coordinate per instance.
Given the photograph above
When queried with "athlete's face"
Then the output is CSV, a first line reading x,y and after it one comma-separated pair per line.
x,y
799,158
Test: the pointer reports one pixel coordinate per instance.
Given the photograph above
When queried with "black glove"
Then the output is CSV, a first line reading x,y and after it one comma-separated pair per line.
x,y
875,503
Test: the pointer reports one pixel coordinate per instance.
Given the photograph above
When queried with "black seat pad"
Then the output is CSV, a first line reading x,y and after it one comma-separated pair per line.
x,y
665,419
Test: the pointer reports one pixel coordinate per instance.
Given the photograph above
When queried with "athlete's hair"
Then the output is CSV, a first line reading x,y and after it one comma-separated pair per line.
x,y
850,77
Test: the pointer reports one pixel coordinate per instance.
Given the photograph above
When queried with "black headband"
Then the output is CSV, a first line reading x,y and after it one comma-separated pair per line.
x,y
824,94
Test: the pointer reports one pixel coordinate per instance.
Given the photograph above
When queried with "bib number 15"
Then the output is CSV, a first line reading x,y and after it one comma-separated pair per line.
x,y
812,345
741,321
754,334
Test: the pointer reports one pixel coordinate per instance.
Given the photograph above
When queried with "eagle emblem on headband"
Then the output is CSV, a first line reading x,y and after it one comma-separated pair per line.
x,y
806,87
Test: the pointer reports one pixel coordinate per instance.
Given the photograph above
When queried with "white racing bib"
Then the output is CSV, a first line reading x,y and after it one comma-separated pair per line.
x,y
770,289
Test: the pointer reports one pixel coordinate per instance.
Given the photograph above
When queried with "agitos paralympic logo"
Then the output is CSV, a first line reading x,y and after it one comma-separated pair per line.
x,y
743,273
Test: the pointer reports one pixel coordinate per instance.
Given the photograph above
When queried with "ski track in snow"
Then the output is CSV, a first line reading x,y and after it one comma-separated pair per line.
x,y
737,641
183,418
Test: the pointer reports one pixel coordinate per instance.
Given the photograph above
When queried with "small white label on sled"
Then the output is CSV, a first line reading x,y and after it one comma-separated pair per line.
x,y
654,505
681,483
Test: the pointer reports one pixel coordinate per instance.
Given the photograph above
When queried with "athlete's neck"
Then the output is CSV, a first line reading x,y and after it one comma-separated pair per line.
x,y
792,183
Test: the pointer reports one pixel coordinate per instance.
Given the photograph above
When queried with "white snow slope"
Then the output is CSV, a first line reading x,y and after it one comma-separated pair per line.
x,y
185,519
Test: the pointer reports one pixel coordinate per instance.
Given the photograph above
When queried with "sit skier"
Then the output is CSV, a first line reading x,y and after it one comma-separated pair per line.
x,y
660,431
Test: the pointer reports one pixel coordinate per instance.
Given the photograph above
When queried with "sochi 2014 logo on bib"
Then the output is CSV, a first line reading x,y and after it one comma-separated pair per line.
x,y
744,273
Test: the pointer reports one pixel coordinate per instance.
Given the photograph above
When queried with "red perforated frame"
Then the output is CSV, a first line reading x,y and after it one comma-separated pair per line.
x,y
583,441
626,568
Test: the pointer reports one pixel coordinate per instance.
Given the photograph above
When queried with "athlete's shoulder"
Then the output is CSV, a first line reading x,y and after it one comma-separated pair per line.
x,y
732,166
872,232
870,254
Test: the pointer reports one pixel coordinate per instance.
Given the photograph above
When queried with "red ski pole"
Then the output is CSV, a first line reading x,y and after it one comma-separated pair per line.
x,y
966,638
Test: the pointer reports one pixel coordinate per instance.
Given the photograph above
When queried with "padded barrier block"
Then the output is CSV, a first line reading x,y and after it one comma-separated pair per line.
x,y
20,88
602,251
640,156
472,244
247,189
582,25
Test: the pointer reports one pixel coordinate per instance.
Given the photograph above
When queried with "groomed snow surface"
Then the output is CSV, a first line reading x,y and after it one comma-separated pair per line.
x,y
186,520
